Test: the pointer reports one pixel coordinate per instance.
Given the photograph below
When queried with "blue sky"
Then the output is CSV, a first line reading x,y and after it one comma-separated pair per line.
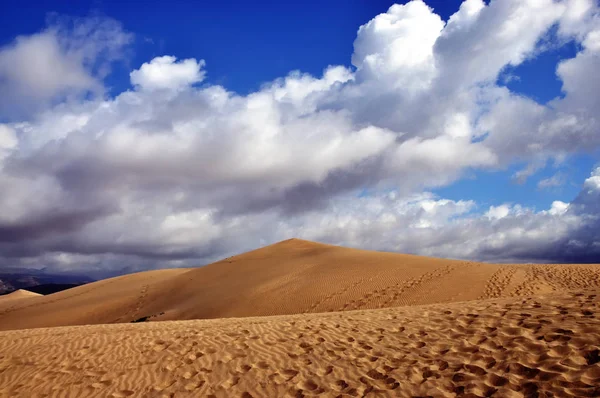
x,y
498,187
189,119
272,37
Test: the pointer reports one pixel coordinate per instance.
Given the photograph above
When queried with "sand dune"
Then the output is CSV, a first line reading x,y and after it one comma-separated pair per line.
x,y
291,277
540,346
18,294
16,297
344,323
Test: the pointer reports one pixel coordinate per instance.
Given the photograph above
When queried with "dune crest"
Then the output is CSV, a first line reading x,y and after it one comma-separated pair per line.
x,y
19,294
291,277
17,299
344,323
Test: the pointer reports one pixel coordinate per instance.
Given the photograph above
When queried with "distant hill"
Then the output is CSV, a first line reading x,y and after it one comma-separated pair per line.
x,y
19,294
12,280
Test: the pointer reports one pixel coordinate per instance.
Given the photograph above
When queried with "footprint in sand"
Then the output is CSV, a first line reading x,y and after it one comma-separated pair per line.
x,y
122,393
326,371
244,368
159,345
262,365
194,385
189,375
289,373
232,381
101,384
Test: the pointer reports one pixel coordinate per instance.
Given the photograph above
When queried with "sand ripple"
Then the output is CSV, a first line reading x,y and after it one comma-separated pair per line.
x,y
537,346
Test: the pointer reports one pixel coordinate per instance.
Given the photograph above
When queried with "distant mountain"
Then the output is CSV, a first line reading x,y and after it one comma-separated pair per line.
x,y
50,288
13,279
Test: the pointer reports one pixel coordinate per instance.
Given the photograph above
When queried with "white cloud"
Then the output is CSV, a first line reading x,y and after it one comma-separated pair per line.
x,y
36,66
8,138
397,47
558,208
497,212
479,41
172,172
552,182
592,184
416,225
168,74
60,62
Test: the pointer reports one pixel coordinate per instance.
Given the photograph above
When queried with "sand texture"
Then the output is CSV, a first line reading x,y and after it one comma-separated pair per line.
x,y
540,346
291,277
343,323
17,297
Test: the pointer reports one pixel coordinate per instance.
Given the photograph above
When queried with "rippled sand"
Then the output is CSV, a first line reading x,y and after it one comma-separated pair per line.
x,y
344,323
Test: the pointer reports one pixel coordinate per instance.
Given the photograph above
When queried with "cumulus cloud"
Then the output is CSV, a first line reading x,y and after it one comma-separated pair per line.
x,y
498,212
173,173
521,127
8,140
558,207
167,73
69,58
425,224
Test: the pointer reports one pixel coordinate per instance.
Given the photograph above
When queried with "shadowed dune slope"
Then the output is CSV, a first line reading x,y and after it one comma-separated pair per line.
x,y
540,346
291,277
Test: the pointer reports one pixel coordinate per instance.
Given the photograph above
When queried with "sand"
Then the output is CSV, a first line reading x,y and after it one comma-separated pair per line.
x,y
15,298
500,347
17,295
292,277
342,323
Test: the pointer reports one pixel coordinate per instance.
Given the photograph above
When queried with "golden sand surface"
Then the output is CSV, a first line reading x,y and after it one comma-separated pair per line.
x,y
18,294
302,319
539,346
291,277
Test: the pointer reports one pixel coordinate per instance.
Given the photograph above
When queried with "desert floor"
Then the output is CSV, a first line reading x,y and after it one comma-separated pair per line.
x,y
341,322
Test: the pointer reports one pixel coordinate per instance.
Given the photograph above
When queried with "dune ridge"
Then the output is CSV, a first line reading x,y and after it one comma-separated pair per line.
x,y
18,296
302,319
291,277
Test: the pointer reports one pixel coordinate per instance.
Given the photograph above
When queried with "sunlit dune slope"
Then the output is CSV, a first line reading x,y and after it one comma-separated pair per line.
x,y
293,276
18,295
541,346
